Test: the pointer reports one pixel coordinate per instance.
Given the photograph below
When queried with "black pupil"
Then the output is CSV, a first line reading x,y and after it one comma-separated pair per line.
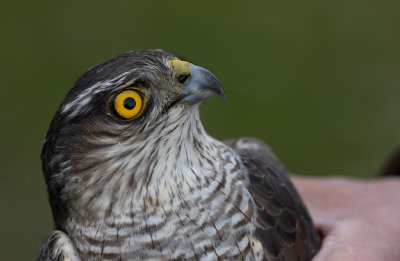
x,y
129,103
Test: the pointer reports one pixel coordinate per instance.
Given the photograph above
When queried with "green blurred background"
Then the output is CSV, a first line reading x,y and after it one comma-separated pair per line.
x,y
317,80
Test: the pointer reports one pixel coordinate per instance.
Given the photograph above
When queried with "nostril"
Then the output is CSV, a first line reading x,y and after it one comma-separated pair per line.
x,y
182,78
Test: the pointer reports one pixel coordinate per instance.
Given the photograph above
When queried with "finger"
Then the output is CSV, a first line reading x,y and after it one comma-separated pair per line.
x,y
332,250
354,240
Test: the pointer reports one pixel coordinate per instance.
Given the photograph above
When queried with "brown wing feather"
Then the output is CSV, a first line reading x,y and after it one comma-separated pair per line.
x,y
392,165
56,246
285,229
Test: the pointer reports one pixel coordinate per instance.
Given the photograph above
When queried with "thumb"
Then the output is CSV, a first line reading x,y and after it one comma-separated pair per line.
x,y
332,250
350,241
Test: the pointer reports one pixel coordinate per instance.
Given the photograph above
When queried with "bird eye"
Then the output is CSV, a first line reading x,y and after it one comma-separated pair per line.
x,y
127,104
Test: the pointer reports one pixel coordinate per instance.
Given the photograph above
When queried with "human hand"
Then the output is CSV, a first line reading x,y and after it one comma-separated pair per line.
x,y
358,220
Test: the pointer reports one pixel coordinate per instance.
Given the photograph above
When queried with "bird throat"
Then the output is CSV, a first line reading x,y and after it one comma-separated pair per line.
x,y
157,195
151,172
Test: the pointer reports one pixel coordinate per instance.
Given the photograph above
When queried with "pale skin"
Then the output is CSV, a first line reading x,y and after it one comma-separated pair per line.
x,y
358,220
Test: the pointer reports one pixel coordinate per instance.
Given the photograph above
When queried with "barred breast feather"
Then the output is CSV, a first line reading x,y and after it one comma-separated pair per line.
x,y
247,210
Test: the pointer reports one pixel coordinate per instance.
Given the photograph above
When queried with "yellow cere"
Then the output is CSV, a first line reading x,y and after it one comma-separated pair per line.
x,y
180,67
124,106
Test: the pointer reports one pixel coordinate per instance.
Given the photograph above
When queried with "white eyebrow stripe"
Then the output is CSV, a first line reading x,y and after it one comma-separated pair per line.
x,y
82,100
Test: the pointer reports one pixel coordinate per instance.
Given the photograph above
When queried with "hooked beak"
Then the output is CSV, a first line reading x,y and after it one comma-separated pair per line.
x,y
198,83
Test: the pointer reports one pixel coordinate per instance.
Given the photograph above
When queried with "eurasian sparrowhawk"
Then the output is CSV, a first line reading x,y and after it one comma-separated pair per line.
x,y
132,174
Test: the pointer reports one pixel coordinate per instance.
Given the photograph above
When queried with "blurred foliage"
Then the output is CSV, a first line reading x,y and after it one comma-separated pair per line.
x,y
317,80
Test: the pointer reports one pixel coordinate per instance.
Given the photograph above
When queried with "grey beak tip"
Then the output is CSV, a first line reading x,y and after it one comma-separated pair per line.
x,y
223,96
201,85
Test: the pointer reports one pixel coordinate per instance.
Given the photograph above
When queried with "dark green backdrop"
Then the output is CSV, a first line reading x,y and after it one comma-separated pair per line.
x,y
317,80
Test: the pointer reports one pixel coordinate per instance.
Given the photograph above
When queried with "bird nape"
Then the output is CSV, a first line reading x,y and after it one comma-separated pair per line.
x,y
132,174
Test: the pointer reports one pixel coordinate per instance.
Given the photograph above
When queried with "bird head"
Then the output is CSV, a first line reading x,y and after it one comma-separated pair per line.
x,y
123,125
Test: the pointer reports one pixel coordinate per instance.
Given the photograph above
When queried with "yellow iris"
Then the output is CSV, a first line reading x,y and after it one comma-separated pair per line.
x,y
128,104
